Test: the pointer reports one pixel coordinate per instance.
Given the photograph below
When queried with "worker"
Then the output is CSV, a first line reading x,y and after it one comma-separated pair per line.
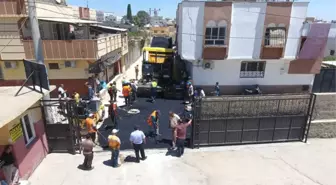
x,y
91,127
87,145
136,72
76,97
153,122
90,90
134,90
113,114
190,89
114,144
126,91
217,89
174,119
180,134
138,139
153,90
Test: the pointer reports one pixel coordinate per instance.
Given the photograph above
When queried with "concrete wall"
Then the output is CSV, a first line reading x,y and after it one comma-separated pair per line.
x,y
324,116
28,157
246,30
227,72
191,30
298,15
11,46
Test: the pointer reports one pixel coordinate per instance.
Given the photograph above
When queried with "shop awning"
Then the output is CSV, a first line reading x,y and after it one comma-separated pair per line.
x,y
106,60
68,20
109,28
15,106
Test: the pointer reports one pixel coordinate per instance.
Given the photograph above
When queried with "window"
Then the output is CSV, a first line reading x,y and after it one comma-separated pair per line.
x,y
332,52
275,35
53,66
28,129
10,64
155,31
215,33
70,64
252,69
162,31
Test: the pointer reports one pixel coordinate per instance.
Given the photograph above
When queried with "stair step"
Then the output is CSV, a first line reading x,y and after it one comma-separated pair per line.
x,y
24,182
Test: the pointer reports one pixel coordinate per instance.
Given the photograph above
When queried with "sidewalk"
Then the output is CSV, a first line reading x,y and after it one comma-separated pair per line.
x,y
128,74
265,164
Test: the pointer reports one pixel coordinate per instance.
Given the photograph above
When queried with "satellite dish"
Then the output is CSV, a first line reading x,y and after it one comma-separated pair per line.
x,y
58,1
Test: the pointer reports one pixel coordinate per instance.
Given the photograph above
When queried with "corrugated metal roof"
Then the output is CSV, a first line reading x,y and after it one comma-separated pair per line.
x,y
68,20
110,28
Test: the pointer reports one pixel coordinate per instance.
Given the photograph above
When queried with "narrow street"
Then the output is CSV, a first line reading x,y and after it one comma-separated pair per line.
x,y
277,164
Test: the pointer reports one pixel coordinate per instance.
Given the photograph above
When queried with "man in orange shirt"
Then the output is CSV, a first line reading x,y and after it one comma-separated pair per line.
x,y
114,144
126,91
91,127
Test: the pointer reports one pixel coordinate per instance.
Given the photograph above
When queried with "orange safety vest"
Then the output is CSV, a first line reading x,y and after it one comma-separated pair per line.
x,y
126,90
149,119
89,125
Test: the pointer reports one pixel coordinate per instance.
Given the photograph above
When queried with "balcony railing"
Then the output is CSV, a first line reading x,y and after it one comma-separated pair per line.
x,y
75,49
13,8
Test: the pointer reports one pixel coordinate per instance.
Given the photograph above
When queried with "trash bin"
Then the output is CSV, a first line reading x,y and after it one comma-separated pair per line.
x,y
94,104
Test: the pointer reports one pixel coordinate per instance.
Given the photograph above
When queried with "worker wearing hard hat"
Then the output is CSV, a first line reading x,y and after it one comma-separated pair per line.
x,y
91,126
114,144
153,90
153,121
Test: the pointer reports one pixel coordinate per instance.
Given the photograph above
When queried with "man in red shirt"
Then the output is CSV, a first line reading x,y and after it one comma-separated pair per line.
x,y
181,133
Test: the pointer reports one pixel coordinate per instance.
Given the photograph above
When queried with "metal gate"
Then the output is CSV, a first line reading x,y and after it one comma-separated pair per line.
x,y
62,125
325,81
251,119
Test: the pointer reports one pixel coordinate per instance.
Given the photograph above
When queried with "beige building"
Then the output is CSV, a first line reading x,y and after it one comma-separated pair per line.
x,y
75,46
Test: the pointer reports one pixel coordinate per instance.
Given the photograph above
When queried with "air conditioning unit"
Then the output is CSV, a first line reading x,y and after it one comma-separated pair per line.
x,y
208,64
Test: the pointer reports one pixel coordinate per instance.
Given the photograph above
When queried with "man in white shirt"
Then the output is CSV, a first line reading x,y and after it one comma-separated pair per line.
x,y
137,139
174,119
61,92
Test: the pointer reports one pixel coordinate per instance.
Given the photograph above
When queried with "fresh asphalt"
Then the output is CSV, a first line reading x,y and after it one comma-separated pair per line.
x,y
127,121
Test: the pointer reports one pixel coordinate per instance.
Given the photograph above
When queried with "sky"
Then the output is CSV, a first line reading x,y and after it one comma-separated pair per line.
x,y
321,9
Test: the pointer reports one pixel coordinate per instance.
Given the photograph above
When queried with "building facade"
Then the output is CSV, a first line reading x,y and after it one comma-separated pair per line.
x,y
22,126
73,42
240,44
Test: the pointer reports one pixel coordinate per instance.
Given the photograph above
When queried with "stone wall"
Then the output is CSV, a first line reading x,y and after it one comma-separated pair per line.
x,y
323,123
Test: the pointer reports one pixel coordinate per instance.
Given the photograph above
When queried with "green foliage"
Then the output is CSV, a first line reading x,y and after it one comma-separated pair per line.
x,y
330,58
143,17
136,20
129,13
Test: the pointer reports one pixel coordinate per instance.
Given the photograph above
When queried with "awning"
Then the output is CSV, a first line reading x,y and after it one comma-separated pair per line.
x,y
68,20
110,28
105,61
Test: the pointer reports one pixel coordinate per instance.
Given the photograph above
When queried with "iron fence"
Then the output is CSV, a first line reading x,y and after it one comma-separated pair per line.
x,y
251,119
325,81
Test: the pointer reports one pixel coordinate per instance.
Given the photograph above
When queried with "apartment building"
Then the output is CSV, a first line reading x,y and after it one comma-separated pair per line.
x,y
240,44
75,45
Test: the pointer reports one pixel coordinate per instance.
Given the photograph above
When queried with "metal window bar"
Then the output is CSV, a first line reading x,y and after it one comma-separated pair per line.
x,y
217,39
275,37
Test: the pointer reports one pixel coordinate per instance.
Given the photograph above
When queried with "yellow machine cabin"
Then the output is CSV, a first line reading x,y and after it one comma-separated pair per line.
x,y
156,55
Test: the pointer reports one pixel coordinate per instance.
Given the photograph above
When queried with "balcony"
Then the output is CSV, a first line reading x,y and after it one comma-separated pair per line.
x,y
13,8
75,49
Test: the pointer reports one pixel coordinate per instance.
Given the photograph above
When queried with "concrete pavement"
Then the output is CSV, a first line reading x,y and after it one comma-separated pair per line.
x,y
268,164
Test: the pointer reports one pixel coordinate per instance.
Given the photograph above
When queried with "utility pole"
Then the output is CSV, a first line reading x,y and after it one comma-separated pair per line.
x,y
38,51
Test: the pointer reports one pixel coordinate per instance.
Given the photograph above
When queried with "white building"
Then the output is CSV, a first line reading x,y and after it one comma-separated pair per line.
x,y
239,44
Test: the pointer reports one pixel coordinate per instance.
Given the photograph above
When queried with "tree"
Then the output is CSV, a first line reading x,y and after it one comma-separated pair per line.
x,y
129,13
136,20
143,18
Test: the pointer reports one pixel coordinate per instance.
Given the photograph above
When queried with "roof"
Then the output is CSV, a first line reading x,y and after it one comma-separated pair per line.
x,y
110,28
13,106
157,49
68,20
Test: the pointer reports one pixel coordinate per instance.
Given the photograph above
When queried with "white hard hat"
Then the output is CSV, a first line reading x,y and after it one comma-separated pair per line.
x,y
91,115
114,131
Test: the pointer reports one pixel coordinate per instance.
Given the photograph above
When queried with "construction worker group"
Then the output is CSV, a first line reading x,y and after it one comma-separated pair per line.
x,y
137,137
